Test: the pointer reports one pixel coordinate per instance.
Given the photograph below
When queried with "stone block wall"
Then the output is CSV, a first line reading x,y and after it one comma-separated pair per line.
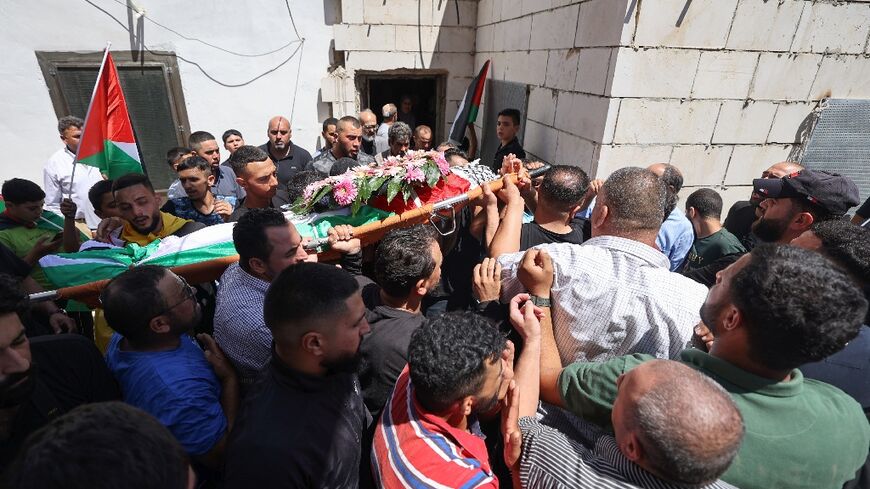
x,y
720,88
398,35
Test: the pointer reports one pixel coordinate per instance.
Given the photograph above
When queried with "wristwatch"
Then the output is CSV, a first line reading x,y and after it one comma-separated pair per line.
x,y
540,301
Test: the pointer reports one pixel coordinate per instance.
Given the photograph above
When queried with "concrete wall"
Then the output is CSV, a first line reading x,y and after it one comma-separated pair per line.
x,y
399,35
28,122
722,89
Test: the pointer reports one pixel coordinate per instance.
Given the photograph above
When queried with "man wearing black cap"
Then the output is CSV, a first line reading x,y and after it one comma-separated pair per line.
x,y
794,202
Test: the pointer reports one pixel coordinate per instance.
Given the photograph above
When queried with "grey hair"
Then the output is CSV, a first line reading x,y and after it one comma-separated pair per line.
x,y
389,110
366,111
399,132
636,198
69,121
689,426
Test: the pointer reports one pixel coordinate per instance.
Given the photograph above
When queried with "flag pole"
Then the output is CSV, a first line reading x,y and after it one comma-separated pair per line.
x,y
87,116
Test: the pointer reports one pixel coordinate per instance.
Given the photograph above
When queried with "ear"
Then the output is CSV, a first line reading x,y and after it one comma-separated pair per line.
x,y
242,182
210,180
732,320
802,221
313,343
466,405
603,214
258,266
631,447
691,212
573,212
159,325
421,287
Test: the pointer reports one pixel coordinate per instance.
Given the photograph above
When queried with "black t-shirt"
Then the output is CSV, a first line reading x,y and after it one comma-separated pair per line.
x,y
502,151
864,210
739,220
295,161
532,234
69,372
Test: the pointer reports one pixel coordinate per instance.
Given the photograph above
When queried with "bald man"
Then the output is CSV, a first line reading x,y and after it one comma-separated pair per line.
x,y
288,157
422,138
742,214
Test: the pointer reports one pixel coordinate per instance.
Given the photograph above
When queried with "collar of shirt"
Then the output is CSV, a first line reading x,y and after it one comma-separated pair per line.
x,y
472,442
248,280
624,245
720,369
294,379
291,150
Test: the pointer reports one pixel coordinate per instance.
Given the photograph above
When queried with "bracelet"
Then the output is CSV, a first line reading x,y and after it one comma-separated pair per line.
x,y
539,301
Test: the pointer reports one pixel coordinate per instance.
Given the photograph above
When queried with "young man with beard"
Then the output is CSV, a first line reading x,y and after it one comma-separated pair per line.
x,y
347,145
407,268
161,369
774,310
459,367
302,423
141,221
742,214
42,378
200,204
258,175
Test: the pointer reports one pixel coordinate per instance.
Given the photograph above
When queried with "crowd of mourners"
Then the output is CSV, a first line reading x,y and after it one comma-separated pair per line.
x,y
568,333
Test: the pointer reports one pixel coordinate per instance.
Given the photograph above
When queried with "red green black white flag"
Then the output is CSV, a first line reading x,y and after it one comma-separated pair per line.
x,y
467,112
107,140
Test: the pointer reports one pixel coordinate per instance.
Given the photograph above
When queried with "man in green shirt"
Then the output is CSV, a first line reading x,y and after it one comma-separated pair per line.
x,y
773,310
712,241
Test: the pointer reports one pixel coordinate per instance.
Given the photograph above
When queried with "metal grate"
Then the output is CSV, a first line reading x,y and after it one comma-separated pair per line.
x,y
840,142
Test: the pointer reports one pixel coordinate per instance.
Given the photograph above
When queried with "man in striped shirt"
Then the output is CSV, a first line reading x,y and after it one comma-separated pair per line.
x,y
459,367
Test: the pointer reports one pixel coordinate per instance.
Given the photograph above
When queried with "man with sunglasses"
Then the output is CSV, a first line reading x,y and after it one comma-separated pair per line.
x,y
288,157
160,368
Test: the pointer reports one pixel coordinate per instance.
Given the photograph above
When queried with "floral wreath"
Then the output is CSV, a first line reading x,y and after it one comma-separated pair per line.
x,y
396,175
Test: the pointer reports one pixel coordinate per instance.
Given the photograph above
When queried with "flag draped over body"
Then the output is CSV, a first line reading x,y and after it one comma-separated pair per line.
x,y
107,141
467,112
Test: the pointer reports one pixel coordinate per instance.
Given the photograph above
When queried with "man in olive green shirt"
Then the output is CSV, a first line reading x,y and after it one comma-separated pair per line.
x,y
771,311
712,241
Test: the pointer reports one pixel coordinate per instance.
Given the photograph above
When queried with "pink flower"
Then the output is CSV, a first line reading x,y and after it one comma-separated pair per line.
x,y
443,166
344,192
312,189
414,174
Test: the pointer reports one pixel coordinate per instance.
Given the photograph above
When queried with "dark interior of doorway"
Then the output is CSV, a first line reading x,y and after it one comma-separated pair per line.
x,y
421,90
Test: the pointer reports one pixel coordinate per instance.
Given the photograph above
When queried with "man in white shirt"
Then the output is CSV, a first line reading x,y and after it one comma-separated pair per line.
x,y
57,175
615,295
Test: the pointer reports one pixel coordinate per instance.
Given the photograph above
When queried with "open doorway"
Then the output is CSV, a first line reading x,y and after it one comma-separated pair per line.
x,y
425,89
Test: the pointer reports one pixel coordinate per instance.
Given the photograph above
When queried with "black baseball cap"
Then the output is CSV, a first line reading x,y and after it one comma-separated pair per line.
x,y
830,191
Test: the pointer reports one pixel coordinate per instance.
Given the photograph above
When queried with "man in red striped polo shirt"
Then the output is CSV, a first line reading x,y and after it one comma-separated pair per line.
x,y
459,367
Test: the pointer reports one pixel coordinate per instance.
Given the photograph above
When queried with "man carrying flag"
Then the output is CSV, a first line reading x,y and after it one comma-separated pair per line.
x,y
57,174
467,113
107,140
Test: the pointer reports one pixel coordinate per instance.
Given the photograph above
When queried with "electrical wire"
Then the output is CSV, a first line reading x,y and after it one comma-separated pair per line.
x,y
219,48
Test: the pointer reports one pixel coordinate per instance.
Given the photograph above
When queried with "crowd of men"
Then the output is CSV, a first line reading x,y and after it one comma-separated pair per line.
x,y
568,333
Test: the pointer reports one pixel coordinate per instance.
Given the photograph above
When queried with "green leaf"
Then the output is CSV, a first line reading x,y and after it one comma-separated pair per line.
x,y
393,189
406,194
320,193
432,174
376,183
354,208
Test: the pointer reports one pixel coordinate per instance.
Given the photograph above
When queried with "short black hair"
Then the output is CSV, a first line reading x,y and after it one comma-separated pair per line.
x,y
249,234
343,164
797,308
298,181
847,245
239,160
348,119
87,441
131,300
706,202
12,297
564,186
513,114
195,163
305,293
451,152
19,191
447,357
97,191
199,137
131,180
69,121
403,258
818,212
230,132
330,121
636,198
175,153
673,179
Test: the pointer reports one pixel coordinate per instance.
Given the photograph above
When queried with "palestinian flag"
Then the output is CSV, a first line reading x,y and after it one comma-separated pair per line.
x,y
467,112
107,137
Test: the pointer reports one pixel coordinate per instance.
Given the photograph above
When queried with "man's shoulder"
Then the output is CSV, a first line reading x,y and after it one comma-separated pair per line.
x,y
300,152
59,157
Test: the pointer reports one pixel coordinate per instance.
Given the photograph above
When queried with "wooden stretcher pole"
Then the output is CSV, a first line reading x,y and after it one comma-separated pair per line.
x,y
210,270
